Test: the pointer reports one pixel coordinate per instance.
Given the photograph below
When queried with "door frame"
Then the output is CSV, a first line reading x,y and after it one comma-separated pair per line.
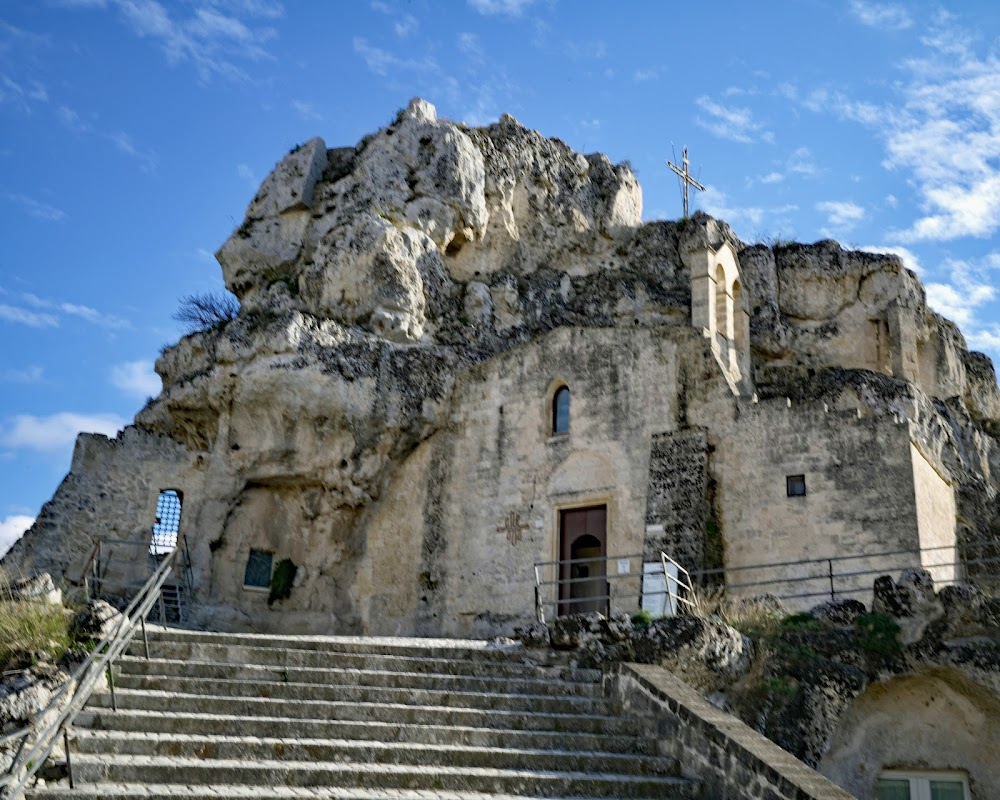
x,y
562,573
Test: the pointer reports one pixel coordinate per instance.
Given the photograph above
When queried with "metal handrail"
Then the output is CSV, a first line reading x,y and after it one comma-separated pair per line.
x,y
609,596
27,762
678,584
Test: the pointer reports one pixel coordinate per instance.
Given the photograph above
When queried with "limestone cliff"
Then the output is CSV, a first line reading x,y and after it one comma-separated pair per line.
x,y
373,278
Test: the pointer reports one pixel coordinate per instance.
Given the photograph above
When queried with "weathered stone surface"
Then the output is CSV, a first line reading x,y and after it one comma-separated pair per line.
x,y
839,612
379,410
94,621
911,600
38,588
705,652
25,692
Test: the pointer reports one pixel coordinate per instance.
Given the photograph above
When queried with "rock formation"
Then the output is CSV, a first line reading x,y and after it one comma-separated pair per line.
x,y
392,291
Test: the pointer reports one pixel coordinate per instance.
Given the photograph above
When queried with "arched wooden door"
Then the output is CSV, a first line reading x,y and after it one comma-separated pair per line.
x,y
583,540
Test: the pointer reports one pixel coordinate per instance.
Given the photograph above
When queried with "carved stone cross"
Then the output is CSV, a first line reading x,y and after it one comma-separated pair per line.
x,y
686,179
513,527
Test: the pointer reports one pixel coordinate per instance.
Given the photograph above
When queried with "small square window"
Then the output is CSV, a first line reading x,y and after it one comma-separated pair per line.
x,y
795,485
258,571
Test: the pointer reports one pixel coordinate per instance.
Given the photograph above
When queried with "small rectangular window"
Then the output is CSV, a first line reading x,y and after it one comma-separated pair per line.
x,y
258,571
795,485
905,785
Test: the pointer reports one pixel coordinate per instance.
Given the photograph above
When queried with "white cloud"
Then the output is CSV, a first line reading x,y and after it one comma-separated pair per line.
x,y
405,26
841,214
137,378
510,8
29,375
91,315
147,159
716,203
247,174
642,75
32,319
471,46
801,163
36,208
211,40
942,131
885,16
11,529
734,124
57,431
382,61
966,291
305,110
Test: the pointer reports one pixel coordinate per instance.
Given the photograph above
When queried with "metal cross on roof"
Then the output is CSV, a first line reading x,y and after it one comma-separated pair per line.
x,y
686,179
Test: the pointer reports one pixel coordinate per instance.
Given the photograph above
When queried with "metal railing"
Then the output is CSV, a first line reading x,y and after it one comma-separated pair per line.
x,y
678,588
850,575
611,583
40,737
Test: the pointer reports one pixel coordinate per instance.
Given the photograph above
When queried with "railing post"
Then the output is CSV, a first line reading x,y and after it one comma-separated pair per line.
x,y
111,683
69,757
833,594
145,641
163,611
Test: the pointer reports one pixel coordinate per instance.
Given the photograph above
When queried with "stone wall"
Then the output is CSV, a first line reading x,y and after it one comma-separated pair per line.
x,y
509,476
859,495
110,493
730,759
937,720
677,508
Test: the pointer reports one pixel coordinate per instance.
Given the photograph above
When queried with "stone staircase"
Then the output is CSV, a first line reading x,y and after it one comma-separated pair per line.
x,y
213,715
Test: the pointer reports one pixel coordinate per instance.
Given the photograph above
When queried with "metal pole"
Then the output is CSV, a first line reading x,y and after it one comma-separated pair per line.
x,y
163,612
69,758
145,641
111,683
833,595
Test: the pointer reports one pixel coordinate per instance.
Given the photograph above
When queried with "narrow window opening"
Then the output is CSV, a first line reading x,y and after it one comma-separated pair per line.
x,y
258,571
168,522
721,303
795,485
560,411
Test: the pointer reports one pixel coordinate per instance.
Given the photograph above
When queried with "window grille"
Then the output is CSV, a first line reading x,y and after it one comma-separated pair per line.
x,y
168,522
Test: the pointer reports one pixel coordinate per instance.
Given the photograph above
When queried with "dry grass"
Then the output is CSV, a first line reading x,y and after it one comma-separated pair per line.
x,y
753,617
29,631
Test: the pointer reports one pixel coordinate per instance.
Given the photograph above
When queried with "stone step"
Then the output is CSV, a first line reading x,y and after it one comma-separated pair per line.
x,y
543,783
269,656
368,752
145,791
368,694
151,700
463,649
138,665
193,724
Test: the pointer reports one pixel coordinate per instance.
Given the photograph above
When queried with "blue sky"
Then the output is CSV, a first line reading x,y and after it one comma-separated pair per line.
x,y
133,133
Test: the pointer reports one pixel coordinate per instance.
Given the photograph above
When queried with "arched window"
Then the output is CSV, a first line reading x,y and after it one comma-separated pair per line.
x,y
721,305
560,410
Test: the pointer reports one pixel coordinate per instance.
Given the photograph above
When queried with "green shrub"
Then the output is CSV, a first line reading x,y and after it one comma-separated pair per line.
x,y
641,618
878,634
282,580
800,622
